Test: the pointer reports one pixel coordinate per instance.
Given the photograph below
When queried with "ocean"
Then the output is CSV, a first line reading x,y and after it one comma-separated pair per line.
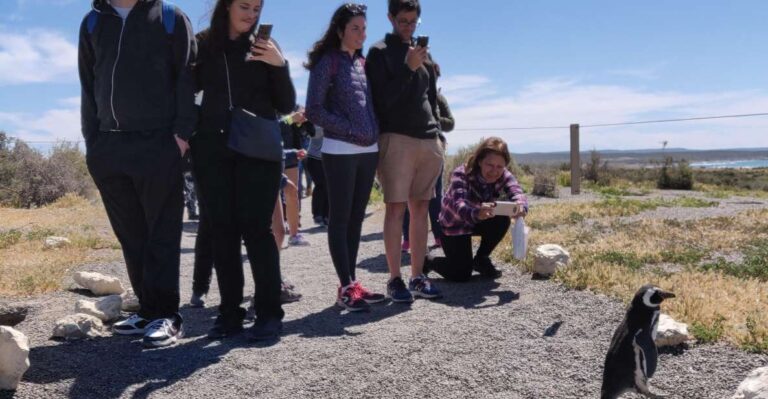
x,y
741,164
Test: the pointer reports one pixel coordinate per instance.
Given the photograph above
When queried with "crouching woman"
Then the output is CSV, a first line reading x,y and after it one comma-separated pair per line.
x,y
468,209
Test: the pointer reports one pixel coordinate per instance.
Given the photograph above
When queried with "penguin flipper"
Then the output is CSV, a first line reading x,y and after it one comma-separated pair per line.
x,y
650,354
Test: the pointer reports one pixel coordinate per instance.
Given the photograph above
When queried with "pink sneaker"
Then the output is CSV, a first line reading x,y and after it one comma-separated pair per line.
x,y
406,246
368,296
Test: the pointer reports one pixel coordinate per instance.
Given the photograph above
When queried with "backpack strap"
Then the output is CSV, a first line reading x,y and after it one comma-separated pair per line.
x,y
91,20
169,17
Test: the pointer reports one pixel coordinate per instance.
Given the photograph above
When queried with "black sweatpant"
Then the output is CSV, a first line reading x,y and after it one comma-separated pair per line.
x,y
350,180
140,179
203,269
239,196
457,263
320,192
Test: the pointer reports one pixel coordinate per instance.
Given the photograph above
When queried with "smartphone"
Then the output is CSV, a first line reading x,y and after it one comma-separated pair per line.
x,y
264,32
422,41
506,208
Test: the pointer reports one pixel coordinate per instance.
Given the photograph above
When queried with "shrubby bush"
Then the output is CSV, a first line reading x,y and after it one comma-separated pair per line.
x,y
675,175
30,179
545,183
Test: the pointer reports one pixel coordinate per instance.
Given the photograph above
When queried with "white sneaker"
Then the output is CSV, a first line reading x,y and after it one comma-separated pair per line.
x,y
134,325
298,241
163,332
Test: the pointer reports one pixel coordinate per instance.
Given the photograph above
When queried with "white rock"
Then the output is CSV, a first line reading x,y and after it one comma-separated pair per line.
x,y
106,309
78,326
671,332
14,357
56,242
755,386
98,283
130,302
548,258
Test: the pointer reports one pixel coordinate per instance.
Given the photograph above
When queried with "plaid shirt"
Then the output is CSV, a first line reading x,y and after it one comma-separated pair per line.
x,y
461,203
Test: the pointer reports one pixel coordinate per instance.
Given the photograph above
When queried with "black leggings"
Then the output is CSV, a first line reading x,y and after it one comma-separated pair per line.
x,y
349,179
239,196
320,192
458,260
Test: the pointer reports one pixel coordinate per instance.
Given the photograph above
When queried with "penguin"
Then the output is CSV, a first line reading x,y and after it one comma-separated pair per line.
x,y
632,356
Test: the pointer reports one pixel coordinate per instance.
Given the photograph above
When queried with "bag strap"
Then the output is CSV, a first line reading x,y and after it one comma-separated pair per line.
x,y
169,17
229,88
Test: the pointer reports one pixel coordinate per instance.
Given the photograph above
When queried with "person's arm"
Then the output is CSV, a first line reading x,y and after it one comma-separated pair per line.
x,y
386,90
282,91
320,80
513,190
447,123
85,62
184,55
458,202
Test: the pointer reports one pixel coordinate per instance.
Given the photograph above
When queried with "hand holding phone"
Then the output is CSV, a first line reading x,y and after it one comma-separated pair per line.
x,y
422,41
263,33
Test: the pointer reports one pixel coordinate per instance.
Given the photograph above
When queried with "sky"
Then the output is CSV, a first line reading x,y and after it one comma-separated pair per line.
x,y
505,64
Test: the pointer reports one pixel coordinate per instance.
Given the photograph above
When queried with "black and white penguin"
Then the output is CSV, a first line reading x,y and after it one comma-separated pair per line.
x,y
632,357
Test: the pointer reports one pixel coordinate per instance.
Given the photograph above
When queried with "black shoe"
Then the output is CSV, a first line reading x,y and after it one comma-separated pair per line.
x,y
224,327
194,216
265,330
486,268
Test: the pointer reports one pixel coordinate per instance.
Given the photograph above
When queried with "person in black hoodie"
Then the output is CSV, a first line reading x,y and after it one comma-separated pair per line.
x,y
137,111
239,192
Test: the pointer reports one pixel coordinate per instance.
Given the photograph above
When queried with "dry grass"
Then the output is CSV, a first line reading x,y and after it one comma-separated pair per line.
x,y
616,258
27,267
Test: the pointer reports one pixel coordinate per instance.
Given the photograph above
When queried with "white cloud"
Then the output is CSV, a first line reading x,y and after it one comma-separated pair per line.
x,y
561,102
62,123
465,89
36,56
296,63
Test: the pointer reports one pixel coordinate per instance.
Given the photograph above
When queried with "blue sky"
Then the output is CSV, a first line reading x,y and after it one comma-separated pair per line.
x,y
505,63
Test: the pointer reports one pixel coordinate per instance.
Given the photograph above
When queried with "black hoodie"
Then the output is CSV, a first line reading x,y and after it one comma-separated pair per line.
x,y
134,75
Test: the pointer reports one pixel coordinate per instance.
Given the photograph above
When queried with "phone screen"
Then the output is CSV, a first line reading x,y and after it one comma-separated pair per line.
x,y
422,41
264,32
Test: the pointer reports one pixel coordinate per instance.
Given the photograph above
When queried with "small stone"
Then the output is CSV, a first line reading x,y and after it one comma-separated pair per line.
x,y
98,283
107,309
11,315
670,332
78,326
548,258
755,386
130,302
56,242
14,357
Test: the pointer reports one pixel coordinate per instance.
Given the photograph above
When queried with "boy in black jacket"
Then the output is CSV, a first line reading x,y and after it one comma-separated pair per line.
x,y
137,114
402,78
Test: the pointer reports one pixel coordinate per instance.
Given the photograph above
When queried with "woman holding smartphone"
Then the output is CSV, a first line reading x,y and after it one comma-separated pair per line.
x,y
468,210
339,101
239,191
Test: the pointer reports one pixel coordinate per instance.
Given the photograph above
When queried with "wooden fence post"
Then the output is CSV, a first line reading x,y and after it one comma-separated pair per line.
x,y
575,160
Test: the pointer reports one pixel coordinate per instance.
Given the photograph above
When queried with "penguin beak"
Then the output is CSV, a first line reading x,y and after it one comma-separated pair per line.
x,y
666,294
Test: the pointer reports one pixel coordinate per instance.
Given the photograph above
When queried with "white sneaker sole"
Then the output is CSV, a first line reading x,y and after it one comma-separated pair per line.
x,y
166,342
351,309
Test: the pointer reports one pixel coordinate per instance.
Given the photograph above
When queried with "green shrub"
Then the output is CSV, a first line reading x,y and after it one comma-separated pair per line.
x,y
545,184
709,333
675,176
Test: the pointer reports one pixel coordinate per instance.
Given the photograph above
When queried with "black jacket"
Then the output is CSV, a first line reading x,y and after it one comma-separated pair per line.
x,y
447,122
260,88
405,101
133,74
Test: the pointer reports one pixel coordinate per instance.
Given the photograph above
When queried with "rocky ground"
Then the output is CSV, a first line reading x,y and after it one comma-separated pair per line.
x,y
485,339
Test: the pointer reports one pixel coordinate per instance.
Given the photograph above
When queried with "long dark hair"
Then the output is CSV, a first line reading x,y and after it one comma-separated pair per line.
x,y
491,145
219,28
331,39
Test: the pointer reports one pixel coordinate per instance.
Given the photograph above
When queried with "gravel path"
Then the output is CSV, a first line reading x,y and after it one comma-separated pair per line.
x,y
483,340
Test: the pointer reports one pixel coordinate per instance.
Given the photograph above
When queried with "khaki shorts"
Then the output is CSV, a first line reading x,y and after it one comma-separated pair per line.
x,y
409,167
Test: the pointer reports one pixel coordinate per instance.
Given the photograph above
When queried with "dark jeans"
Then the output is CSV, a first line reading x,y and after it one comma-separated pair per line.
x,y
350,180
320,192
434,212
140,180
458,260
201,278
239,196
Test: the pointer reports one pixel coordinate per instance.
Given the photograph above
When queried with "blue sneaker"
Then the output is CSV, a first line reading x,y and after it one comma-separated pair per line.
x,y
423,287
397,292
